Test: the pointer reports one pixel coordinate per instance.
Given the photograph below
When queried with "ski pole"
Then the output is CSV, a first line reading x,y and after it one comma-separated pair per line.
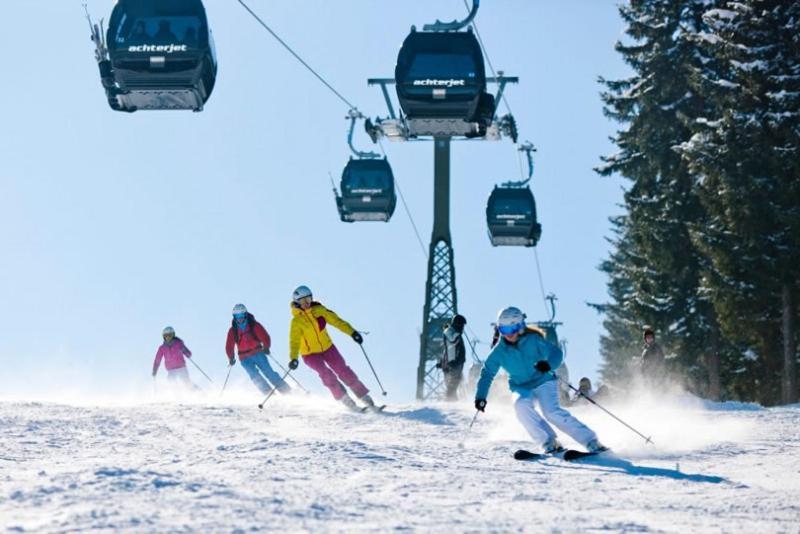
x,y
472,348
198,368
580,393
373,369
226,380
261,406
290,376
474,418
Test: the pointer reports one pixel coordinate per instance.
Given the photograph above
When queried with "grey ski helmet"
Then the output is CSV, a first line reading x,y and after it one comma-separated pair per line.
x,y
510,320
239,309
168,331
300,292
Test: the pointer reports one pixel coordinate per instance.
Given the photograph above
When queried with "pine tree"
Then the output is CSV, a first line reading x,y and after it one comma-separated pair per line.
x,y
654,271
745,153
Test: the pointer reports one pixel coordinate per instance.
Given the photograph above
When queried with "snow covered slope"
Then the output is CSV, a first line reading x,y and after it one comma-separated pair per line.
x,y
304,464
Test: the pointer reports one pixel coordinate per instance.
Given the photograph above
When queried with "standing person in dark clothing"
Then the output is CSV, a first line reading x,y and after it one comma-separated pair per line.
x,y
453,356
652,362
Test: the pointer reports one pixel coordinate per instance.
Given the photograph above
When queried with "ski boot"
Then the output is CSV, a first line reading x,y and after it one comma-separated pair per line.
x,y
553,447
596,447
350,404
366,399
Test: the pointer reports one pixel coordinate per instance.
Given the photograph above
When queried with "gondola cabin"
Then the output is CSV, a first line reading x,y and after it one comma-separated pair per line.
x,y
367,191
441,84
160,56
511,217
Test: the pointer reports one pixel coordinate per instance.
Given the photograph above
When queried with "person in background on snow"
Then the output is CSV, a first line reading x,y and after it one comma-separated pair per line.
x,y
528,359
309,337
173,351
585,391
454,355
652,361
252,341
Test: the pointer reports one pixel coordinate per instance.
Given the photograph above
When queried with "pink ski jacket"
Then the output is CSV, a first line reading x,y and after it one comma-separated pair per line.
x,y
172,355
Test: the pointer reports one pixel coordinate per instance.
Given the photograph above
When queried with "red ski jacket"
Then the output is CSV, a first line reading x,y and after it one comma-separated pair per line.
x,y
250,341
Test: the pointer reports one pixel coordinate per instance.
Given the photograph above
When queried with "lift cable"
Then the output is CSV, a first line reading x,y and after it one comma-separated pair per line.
x,y
486,54
405,206
296,55
521,171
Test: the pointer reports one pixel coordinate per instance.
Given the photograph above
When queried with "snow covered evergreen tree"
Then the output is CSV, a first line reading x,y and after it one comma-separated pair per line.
x,y
745,152
654,271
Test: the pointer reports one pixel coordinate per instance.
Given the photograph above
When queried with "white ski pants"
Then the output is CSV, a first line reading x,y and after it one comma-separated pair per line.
x,y
546,397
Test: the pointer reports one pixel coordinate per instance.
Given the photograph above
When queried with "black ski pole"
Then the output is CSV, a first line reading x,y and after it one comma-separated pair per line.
x,y
198,368
580,393
261,406
373,369
226,380
290,376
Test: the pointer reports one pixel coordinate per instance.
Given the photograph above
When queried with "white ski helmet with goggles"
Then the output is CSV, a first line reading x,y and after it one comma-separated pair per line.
x,y
239,309
510,320
300,293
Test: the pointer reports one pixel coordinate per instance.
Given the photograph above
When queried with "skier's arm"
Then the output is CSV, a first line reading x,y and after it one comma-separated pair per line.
x,y
157,361
262,335
295,334
230,344
490,368
554,356
331,317
185,350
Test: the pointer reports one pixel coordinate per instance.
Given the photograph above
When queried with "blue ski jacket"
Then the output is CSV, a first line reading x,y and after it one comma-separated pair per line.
x,y
519,360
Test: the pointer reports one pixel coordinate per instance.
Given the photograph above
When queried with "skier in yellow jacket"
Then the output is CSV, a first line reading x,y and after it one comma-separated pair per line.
x,y
308,337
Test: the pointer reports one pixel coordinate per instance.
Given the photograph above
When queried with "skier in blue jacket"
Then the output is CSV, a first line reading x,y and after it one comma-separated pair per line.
x,y
529,360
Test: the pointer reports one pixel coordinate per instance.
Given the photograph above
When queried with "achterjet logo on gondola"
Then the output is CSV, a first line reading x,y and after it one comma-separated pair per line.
x,y
167,49
447,83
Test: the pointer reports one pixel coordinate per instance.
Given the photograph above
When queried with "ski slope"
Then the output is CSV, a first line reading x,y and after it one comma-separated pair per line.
x,y
305,464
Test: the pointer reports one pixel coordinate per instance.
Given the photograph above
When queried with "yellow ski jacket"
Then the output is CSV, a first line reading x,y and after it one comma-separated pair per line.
x,y
307,333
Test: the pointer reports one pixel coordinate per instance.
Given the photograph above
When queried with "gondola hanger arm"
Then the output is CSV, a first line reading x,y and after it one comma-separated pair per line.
x,y
353,114
455,25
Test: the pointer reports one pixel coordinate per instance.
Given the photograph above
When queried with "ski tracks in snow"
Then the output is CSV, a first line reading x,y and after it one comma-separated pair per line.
x,y
307,466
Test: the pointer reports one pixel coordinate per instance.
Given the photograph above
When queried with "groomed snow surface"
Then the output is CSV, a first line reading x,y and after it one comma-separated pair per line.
x,y
304,464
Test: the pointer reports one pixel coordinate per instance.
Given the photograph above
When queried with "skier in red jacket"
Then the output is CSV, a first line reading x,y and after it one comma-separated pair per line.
x,y
252,341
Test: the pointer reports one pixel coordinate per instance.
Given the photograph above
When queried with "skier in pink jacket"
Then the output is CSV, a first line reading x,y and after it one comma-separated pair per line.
x,y
173,351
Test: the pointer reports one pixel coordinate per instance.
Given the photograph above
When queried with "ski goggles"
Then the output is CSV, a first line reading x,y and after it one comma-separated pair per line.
x,y
511,329
304,300
239,316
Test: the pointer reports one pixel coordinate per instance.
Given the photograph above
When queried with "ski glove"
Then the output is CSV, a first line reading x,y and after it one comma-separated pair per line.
x,y
542,366
266,351
357,338
293,364
480,405
232,361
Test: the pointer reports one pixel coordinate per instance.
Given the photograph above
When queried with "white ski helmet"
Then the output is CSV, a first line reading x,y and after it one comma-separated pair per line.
x,y
168,331
239,309
510,320
301,292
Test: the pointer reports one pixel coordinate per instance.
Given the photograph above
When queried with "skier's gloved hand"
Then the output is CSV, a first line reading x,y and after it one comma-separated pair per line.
x,y
293,364
480,405
438,365
542,366
357,338
154,374
266,351
232,361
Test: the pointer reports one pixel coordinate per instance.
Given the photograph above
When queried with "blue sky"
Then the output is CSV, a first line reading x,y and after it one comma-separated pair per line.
x,y
115,225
